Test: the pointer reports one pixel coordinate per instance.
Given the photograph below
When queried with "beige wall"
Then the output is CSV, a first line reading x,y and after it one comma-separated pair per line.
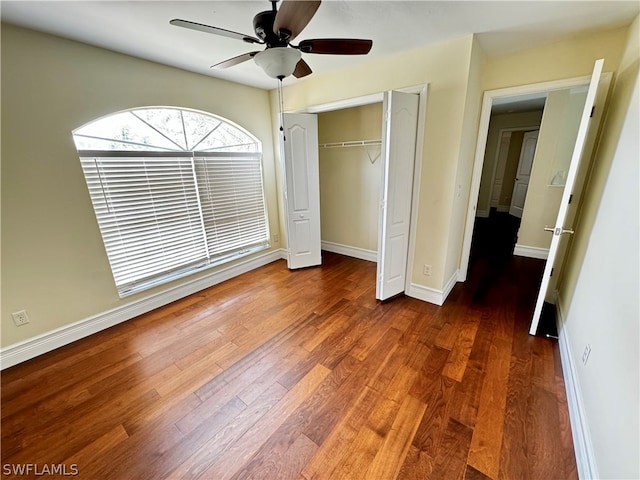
x,y
557,137
613,122
53,260
598,288
564,59
499,122
445,67
349,180
356,123
465,158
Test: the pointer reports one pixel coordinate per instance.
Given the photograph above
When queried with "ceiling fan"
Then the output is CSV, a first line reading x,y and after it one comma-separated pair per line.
x,y
276,28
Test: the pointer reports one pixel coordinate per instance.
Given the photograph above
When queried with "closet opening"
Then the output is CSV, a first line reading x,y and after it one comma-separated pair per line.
x,y
349,148
352,183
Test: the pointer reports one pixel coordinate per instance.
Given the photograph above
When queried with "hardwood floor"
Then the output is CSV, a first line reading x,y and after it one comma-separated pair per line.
x,y
303,375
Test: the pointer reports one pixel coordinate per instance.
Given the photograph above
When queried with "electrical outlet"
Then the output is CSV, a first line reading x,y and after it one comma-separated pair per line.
x,y
276,238
426,269
585,355
20,318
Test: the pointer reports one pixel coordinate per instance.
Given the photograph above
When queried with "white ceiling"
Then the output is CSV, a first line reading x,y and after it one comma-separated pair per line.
x,y
141,28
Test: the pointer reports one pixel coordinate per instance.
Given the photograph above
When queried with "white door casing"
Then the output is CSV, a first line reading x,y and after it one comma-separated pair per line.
x,y
559,228
302,189
525,164
398,150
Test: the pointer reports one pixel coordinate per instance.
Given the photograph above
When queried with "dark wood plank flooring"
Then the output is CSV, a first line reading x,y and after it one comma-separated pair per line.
x,y
303,375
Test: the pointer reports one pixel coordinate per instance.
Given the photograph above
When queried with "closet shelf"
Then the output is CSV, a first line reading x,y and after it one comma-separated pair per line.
x,y
356,143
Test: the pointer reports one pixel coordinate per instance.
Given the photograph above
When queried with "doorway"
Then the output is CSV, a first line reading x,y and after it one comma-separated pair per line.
x,y
496,223
508,154
552,197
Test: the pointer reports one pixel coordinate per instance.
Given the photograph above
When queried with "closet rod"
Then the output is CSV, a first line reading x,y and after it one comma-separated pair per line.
x,y
356,143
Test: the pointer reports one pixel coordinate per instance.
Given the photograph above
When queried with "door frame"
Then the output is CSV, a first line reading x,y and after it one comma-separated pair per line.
x,y
483,131
501,132
420,90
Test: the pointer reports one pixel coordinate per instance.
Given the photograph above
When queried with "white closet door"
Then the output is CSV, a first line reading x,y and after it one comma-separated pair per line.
x,y
525,165
302,190
398,153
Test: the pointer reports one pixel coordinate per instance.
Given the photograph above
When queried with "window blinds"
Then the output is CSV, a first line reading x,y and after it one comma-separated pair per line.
x,y
165,215
232,201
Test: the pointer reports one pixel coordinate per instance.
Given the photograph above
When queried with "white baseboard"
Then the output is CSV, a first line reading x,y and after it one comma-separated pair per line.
x,y
432,295
482,213
503,208
28,349
585,459
531,252
356,252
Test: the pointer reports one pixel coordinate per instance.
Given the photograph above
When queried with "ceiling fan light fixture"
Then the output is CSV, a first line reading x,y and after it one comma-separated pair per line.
x,y
278,62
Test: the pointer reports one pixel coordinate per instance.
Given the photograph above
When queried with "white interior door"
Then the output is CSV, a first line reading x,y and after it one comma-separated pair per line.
x,y
559,228
398,154
302,190
501,162
525,164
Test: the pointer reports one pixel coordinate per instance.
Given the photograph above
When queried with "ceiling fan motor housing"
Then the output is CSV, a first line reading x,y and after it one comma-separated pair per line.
x,y
263,26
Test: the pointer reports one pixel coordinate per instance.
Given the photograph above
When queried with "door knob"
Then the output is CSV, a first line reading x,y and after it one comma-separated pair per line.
x,y
567,230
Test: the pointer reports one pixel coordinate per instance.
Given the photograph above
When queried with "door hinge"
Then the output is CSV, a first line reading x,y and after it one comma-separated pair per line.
x,y
551,274
570,198
593,109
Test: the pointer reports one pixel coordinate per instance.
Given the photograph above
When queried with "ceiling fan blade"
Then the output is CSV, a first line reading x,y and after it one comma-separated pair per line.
x,y
302,69
215,30
294,15
235,60
336,46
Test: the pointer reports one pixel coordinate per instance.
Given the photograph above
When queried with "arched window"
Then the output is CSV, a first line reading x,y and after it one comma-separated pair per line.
x,y
174,191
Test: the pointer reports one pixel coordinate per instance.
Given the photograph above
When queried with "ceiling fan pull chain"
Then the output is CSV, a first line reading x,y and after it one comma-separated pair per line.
x,y
281,108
